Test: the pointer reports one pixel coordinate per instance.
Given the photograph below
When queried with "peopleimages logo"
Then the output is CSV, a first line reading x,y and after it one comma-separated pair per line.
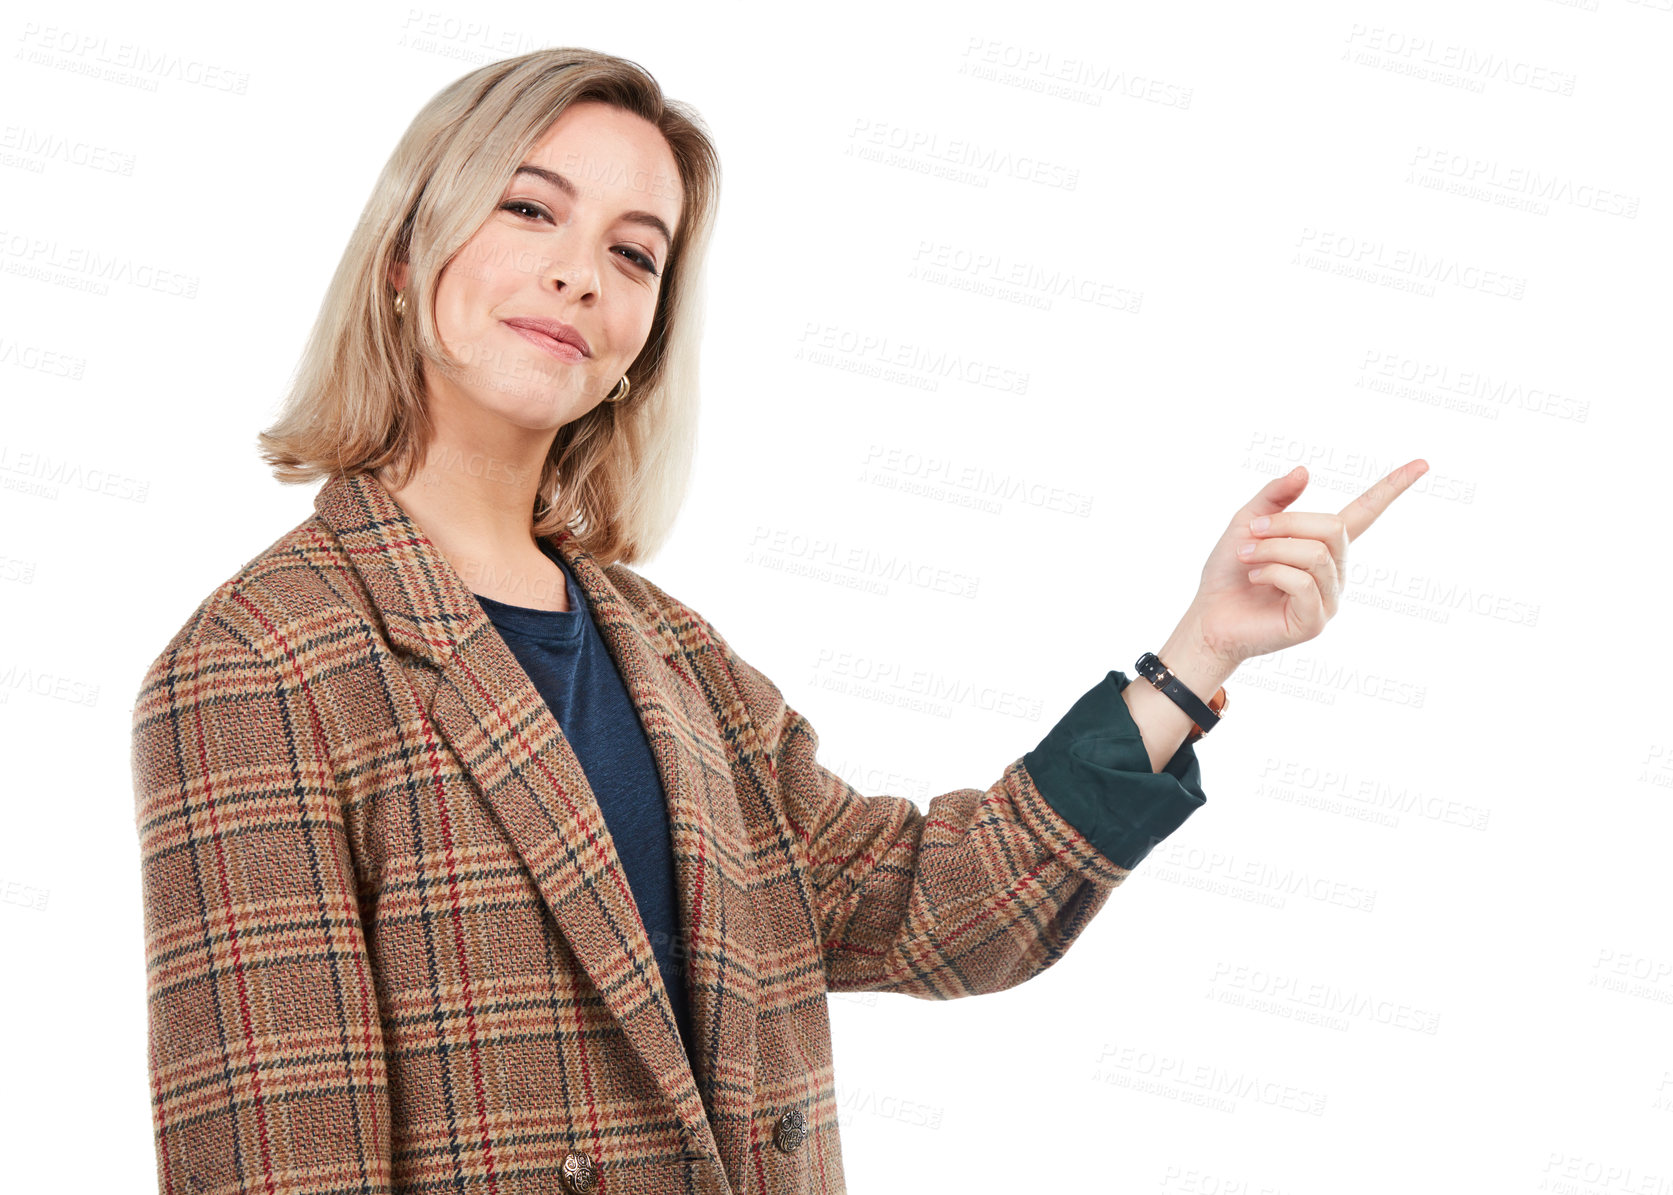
x,y
1376,259
928,147
94,54
1474,177
1415,51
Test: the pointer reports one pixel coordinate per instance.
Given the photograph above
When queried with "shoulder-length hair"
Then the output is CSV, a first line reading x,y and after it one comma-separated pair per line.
x,y
616,477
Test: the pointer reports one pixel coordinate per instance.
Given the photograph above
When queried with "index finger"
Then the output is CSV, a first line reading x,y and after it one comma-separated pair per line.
x,y
1363,510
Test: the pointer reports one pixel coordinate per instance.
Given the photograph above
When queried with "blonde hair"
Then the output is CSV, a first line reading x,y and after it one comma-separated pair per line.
x,y
616,477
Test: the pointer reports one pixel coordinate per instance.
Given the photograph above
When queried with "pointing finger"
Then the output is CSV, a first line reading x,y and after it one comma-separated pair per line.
x,y
1363,510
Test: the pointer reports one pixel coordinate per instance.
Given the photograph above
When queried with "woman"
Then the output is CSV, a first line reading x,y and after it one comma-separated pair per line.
x,y
473,860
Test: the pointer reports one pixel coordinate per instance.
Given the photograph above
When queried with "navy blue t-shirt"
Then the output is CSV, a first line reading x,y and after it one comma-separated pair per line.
x,y
567,660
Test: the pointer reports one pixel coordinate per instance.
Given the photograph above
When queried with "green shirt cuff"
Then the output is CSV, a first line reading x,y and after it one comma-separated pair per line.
x,y
1093,769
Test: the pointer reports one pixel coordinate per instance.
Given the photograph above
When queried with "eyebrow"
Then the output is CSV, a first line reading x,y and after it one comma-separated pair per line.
x,y
649,219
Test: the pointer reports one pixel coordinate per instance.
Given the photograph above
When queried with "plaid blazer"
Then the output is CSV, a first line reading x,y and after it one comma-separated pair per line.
x,y
389,943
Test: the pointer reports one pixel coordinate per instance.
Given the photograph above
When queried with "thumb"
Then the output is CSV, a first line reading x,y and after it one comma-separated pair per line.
x,y
1276,494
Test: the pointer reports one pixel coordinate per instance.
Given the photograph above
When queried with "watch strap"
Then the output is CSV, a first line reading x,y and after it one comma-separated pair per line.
x,y
1204,717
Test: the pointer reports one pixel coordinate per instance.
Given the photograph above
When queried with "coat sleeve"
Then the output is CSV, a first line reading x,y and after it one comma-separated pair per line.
x,y
265,1049
988,887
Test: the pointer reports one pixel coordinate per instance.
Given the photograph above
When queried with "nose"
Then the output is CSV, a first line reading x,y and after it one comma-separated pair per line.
x,y
570,272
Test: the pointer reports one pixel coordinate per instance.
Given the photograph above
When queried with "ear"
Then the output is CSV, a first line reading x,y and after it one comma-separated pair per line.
x,y
398,275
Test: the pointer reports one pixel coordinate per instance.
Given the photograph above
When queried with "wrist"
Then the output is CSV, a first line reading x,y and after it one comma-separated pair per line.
x,y
1188,656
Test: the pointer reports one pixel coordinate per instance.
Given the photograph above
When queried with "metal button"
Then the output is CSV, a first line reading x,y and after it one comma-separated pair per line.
x,y
791,1131
579,1175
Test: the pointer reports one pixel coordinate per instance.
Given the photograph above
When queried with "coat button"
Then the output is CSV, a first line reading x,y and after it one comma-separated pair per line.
x,y
579,1175
791,1131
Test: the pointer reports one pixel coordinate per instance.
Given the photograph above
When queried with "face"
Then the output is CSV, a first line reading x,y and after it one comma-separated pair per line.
x,y
580,236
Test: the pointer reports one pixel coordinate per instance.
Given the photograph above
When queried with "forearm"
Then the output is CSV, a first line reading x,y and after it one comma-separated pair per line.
x,y
1162,724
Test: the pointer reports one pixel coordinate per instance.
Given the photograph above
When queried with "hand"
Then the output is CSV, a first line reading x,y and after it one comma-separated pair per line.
x,y
1302,557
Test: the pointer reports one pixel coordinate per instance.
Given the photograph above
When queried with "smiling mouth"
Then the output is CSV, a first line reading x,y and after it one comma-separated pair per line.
x,y
561,349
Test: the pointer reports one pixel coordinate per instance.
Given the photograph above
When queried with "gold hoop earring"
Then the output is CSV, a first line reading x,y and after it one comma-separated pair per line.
x,y
401,304
613,396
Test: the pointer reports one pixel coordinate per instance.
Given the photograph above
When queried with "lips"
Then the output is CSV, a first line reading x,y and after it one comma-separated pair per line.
x,y
554,329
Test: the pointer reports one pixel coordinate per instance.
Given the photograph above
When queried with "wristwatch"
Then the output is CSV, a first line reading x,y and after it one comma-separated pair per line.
x,y
1203,717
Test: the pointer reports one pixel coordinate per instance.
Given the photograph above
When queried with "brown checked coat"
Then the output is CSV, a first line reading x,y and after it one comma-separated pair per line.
x,y
389,943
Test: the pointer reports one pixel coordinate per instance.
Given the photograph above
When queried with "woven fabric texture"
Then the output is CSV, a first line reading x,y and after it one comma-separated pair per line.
x,y
389,945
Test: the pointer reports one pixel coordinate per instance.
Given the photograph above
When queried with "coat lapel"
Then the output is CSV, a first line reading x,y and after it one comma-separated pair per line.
x,y
494,720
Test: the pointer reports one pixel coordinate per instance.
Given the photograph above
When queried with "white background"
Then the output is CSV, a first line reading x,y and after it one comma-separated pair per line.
x,y
1418,937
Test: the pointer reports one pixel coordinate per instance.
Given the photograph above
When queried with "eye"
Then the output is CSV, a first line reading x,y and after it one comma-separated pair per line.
x,y
539,213
643,262
512,205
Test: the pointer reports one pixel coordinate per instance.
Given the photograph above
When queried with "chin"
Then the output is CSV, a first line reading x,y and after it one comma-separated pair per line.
x,y
537,407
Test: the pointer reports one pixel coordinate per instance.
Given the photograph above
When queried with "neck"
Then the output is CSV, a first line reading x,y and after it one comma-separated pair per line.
x,y
477,511
456,508
477,479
